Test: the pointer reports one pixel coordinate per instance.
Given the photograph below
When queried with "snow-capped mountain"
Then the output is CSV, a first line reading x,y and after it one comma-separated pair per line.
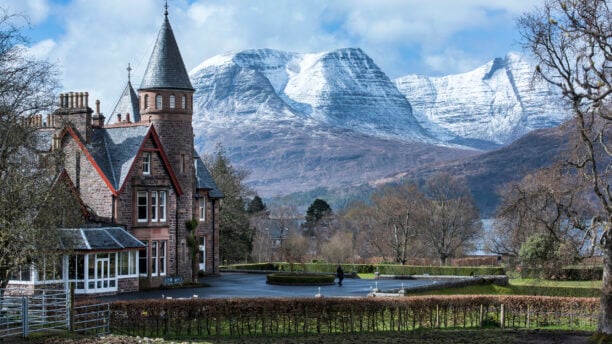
x,y
299,121
340,89
498,102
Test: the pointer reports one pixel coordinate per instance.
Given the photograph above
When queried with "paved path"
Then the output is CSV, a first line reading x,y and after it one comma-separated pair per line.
x,y
229,285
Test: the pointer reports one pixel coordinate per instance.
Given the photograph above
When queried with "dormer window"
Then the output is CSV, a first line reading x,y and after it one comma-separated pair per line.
x,y
146,163
158,101
184,101
172,101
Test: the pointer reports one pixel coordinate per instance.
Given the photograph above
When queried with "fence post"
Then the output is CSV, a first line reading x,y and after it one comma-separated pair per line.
x,y
501,322
528,316
71,308
480,317
24,316
571,315
437,316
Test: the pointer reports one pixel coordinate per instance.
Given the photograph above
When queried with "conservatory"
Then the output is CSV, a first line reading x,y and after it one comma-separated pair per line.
x,y
102,261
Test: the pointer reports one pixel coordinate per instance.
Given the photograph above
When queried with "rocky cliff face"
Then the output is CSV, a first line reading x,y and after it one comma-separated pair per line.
x,y
498,102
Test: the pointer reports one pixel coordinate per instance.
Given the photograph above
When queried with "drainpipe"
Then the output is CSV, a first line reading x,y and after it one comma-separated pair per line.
x,y
212,201
176,240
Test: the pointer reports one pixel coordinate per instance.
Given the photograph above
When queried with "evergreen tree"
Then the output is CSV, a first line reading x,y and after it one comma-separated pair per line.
x,y
235,232
316,211
256,205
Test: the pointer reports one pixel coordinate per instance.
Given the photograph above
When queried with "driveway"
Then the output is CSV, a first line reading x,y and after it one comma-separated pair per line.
x,y
229,285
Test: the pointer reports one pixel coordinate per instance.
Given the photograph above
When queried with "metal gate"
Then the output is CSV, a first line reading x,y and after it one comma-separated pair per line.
x,y
47,310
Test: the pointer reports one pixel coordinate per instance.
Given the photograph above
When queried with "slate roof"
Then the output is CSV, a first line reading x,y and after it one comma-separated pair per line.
x,y
128,103
204,180
103,238
114,150
166,69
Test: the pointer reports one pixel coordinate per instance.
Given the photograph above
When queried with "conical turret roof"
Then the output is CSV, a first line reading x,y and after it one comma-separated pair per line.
x,y
166,69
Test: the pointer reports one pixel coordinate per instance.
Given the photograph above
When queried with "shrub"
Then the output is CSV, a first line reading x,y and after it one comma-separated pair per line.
x,y
300,279
387,269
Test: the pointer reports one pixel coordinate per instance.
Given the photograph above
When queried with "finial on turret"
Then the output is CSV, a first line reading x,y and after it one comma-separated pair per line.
x,y
166,11
129,70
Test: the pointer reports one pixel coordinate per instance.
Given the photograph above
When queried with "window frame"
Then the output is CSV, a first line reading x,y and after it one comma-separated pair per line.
x,y
172,101
146,163
184,102
144,206
202,209
162,206
159,102
146,101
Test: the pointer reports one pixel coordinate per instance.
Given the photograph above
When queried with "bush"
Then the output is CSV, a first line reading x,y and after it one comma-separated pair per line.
x,y
566,274
300,279
385,269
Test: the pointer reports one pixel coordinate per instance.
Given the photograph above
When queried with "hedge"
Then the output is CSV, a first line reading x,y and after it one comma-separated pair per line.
x,y
385,269
569,273
300,279
194,318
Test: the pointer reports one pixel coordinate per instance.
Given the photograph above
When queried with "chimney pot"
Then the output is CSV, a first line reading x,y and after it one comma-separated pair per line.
x,y
119,118
98,106
127,117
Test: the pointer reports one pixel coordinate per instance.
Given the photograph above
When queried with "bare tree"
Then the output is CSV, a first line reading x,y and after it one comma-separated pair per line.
x,y
548,203
572,43
339,248
26,166
452,221
295,248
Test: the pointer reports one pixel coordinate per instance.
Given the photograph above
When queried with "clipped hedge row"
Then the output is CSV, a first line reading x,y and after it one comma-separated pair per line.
x,y
385,269
300,279
568,274
298,316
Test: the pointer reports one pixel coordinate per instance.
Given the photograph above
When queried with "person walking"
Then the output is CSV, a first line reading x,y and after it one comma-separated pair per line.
x,y
340,274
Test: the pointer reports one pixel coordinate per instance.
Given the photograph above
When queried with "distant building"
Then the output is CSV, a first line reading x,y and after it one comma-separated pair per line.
x,y
139,179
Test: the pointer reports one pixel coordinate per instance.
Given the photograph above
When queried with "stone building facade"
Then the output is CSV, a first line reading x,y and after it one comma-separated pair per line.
x,y
138,171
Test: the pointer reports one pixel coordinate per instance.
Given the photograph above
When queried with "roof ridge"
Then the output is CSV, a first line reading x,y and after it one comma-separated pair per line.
x,y
110,161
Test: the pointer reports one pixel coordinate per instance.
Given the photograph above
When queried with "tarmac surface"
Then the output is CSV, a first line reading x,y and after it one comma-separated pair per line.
x,y
243,285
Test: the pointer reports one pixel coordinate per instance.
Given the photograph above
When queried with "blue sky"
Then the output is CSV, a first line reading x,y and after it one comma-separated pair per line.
x,y
92,41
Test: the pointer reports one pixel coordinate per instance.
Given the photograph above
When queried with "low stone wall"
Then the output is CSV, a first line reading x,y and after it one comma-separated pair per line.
x,y
441,282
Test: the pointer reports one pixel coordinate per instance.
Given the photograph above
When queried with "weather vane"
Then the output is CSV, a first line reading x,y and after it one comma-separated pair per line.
x,y
166,7
129,70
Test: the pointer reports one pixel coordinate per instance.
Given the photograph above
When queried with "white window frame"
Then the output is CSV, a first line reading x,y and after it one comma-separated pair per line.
x,y
159,102
184,101
146,101
154,209
145,258
154,258
161,253
162,206
139,206
202,207
146,163
172,101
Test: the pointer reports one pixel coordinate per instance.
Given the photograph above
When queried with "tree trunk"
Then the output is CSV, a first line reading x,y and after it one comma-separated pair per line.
x,y
605,318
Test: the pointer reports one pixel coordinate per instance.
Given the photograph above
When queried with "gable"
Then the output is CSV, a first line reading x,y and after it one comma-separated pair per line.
x,y
114,151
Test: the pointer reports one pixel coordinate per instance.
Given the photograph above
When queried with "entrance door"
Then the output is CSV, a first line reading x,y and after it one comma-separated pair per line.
x,y
102,273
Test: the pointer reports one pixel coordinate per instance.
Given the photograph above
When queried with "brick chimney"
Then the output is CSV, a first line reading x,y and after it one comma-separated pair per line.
x,y
74,110
98,118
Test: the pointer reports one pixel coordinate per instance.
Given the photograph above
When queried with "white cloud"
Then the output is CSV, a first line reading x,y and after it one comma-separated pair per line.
x,y
36,10
99,38
452,61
